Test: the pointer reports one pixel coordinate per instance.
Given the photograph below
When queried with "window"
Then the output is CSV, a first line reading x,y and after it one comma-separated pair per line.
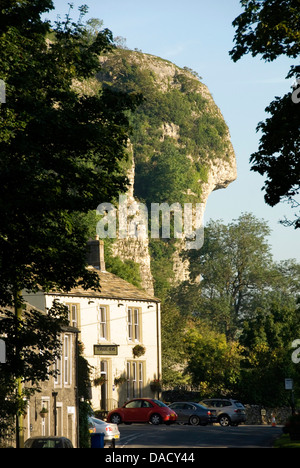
x,y
134,404
135,379
63,363
141,378
57,378
73,314
103,320
133,322
128,379
147,404
136,324
130,324
67,360
103,323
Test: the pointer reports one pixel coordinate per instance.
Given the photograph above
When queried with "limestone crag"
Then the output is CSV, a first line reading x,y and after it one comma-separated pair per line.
x,y
190,122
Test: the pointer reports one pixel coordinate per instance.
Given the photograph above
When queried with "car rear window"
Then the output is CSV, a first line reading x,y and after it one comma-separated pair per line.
x,y
159,403
48,443
238,404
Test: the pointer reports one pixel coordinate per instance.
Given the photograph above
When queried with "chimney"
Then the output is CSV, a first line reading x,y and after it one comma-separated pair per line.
x,y
95,254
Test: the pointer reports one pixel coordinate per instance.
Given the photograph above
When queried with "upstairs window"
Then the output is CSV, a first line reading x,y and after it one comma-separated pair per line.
x,y
134,324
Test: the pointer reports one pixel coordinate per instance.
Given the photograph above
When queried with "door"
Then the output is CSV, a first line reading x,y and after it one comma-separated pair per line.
x,y
103,373
132,411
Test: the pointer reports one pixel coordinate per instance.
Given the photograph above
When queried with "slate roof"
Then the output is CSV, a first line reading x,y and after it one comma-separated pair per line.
x,y
112,287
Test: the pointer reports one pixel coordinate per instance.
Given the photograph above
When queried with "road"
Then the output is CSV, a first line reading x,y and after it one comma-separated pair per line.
x,y
183,436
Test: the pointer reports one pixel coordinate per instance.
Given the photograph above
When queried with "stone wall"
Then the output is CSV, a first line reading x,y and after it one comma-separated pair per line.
x,y
260,415
255,414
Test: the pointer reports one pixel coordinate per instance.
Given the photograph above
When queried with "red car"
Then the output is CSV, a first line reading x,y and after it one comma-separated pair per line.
x,y
142,410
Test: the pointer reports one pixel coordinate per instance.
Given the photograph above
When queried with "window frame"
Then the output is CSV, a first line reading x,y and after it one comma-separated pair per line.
x,y
76,306
134,324
135,378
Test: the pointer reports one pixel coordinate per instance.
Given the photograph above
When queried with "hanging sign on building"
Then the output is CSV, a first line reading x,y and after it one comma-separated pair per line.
x,y
106,350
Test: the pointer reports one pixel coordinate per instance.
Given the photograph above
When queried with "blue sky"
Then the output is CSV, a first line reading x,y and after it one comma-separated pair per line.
x,y
198,34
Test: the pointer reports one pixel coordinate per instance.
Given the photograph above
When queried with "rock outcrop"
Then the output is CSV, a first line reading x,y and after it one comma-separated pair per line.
x,y
178,119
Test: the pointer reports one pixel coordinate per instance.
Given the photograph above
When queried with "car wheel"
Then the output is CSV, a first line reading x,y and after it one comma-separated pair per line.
x,y
194,420
155,419
115,419
224,420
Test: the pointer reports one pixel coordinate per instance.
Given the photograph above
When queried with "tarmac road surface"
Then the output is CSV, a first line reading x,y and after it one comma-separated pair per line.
x,y
184,436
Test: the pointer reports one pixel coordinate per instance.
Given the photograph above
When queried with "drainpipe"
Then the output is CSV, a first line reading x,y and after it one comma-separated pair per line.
x,y
158,342
54,394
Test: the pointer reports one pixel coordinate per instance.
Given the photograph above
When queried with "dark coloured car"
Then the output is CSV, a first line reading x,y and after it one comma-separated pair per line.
x,y
228,412
48,442
143,410
192,413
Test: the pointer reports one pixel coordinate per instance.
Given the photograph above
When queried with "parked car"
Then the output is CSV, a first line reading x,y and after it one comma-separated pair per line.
x,y
48,442
228,412
193,413
111,431
143,410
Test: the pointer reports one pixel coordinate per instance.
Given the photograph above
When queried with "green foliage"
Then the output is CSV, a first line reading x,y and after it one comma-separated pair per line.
x,y
213,362
84,435
173,326
234,261
60,150
127,269
165,166
246,306
278,155
162,270
271,28
85,410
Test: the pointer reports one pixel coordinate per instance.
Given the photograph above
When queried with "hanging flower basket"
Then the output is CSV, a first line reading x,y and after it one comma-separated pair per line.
x,y
138,350
119,381
155,385
43,412
99,381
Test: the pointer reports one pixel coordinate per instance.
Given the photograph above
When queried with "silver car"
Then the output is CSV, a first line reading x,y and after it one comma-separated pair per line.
x,y
228,412
111,431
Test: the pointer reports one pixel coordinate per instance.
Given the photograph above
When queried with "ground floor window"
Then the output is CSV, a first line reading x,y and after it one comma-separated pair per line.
x,y
135,379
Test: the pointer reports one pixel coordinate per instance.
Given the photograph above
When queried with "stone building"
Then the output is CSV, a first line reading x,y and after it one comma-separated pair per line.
x,y
53,411
119,328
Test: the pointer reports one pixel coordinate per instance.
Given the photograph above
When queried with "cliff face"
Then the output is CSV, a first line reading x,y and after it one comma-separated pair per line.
x,y
180,152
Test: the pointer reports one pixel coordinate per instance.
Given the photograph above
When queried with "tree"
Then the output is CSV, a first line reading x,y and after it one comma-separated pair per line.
x,y
173,326
213,362
239,314
267,336
271,28
234,263
61,151
278,155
